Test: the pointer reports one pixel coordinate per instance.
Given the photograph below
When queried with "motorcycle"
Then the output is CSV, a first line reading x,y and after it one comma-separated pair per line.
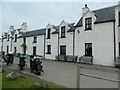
x,y
10,58
4,56
35,65
22,61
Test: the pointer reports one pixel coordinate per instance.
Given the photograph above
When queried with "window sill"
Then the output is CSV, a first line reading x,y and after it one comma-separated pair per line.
x,y
89,55
34,42
63,54
48,53
87,29
62,37
47,38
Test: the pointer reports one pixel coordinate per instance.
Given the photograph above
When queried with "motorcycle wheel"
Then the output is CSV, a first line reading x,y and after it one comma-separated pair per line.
x,y
7,63
11,62
21,67
38,72
39,67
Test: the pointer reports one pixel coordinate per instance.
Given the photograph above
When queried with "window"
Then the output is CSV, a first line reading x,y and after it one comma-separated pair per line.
x,y
48,33
7,49
63,50
24,40
119,48
119,19
48,49
88,49
15,49
34,39
8,37
88,23
15,38
34,50
63,32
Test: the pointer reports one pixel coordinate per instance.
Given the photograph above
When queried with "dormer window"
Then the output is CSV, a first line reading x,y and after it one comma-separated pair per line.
x,y
48,33
8,37
88,23
119,19
34,39
63,32
16,38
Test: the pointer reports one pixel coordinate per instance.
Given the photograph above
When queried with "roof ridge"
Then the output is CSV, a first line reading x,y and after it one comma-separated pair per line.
x,y
36,30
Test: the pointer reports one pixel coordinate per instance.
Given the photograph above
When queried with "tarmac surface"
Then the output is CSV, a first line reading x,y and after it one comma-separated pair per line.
x,y
64,73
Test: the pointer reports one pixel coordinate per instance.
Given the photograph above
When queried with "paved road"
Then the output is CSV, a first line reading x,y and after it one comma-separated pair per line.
x,y
64,73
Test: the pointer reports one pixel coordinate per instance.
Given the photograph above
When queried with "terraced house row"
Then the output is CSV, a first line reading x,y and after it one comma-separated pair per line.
x,y
96,34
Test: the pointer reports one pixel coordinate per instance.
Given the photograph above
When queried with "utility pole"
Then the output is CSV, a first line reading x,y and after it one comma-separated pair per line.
x,y
78,77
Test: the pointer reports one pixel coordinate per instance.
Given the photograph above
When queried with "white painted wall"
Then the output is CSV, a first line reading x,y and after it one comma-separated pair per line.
x,y
39,45
117,30
68,40
18,45
53,41
101,37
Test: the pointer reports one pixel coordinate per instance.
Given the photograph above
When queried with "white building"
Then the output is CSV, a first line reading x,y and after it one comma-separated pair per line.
x,y
96,34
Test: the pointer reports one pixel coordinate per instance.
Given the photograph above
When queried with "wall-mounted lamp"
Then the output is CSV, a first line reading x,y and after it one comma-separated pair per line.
x,y
78,31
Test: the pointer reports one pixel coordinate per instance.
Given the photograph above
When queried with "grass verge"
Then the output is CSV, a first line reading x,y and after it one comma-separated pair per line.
x,y
23,82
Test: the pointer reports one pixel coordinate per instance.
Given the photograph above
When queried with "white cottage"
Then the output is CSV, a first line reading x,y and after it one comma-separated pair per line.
x,y
96,34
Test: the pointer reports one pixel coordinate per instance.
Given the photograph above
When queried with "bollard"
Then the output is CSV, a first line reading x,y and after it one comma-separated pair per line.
x,y
78,77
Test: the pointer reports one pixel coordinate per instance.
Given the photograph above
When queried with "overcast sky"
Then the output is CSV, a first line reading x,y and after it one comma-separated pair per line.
x,y
39,14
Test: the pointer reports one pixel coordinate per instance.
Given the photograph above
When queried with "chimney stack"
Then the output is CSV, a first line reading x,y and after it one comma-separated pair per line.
x,y
24,27
11,27
85,9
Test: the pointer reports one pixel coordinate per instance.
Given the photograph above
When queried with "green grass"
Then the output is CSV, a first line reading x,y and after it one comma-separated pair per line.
x,y
22,82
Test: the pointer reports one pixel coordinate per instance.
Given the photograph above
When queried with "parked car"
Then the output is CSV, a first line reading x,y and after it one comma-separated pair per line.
x,y
117,62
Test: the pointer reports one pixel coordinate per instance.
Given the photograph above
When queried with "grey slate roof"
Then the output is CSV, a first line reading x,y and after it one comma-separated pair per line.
x,y
70,30
103,15
5,35
34,33
55,32
13,32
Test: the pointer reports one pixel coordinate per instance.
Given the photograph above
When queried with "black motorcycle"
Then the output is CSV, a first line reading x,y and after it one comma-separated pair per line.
x,y
35,64
22,61
10,58
4,57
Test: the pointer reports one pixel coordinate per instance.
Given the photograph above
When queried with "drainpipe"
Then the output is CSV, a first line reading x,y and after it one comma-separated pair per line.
x,y
114,41
44,46
73,44
11,44
58,45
